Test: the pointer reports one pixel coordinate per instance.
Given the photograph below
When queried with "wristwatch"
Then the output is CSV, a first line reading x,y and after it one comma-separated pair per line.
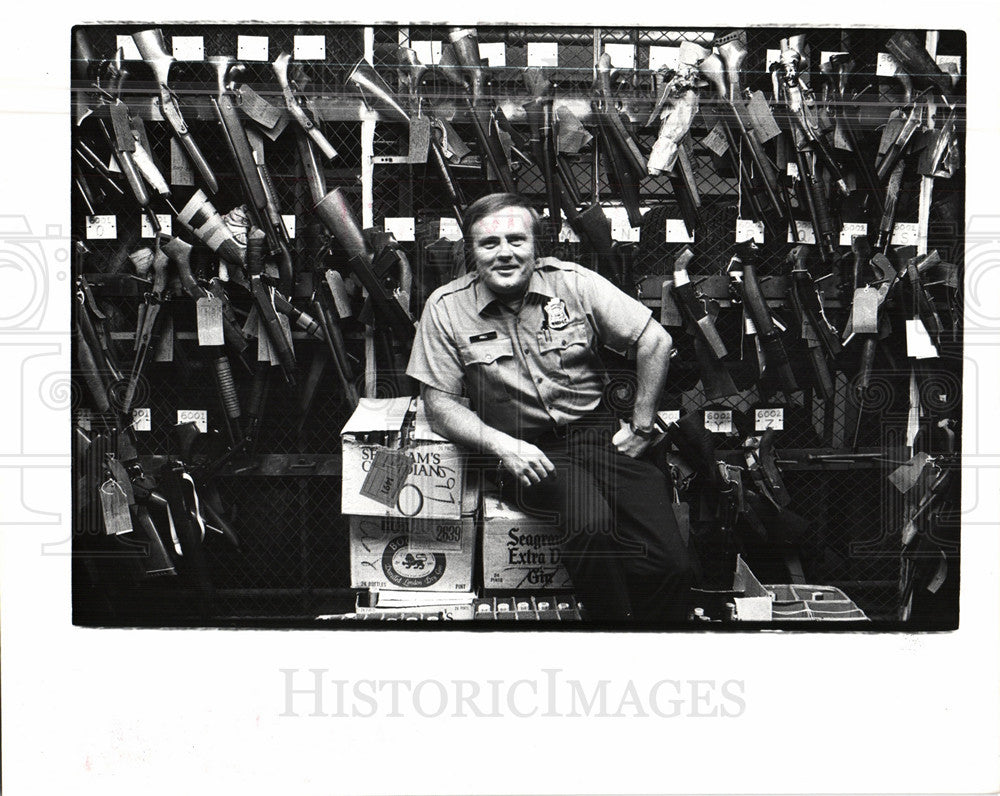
x,y
643,433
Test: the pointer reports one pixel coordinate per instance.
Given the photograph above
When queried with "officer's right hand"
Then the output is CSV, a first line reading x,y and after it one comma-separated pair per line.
x,y
526,461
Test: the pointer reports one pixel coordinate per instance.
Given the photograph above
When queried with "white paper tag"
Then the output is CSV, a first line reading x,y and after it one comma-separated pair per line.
x,y
805,230
886,65
448,228
568,235
669,416
852,230
309,48
918,342
773,57
402,228
189,48
142,419
127,45
719,420
209,318
543,53
197,416
494,52
824,57
763,419
146,229
747,229
251,48
792,170
286,326
622,55
941,60
677,232
428,52
621,230
102,227
663,57
114,507
748,326
905,234
288,221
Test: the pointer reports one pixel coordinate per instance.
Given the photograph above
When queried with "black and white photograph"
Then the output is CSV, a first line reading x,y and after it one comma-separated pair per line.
x,y
426,389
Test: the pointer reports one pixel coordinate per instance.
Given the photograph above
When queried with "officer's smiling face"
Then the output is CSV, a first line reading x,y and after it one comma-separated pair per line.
x,y
504,250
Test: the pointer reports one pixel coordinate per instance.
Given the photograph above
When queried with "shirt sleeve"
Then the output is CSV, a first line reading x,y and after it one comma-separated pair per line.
x,y
434,357
618,318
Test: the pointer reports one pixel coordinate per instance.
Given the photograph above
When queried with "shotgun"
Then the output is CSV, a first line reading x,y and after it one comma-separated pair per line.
x,y
294,102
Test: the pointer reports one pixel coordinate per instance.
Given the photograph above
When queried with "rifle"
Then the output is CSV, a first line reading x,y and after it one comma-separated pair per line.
x,y
539,111
262,296
294,101
153,50
819,335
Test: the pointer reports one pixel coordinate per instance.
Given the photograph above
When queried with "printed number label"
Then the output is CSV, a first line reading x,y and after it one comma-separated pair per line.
x,y
677,232
621,230
402,229
189,48
719,420
663,57
449,534
142,419
747,229
449,229
309,48
165,222
251,48
669,416
102,227
494,52
851,230
197,416
886,65
543,54
769,418
805,232
905,234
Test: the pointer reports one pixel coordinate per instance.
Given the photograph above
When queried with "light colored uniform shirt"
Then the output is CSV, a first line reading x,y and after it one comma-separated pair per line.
x,y
528,370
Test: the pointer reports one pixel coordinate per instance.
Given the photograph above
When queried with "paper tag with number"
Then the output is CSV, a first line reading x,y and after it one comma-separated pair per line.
x,y
663,57
387,476
130,52
669,416
763,419
621,229
210,321
805,232
188,48
719,420
677,231
905,234
886,65
146,229
402,229
448,228
747,229
852,230
197,416
309,48
251,48
114,507
943,60
288,221
622,55
543,53
142,419
102,227
494,52
428,52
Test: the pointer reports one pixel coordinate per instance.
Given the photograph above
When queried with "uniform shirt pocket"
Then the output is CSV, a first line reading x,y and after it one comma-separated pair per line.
x,y
488,366
568,349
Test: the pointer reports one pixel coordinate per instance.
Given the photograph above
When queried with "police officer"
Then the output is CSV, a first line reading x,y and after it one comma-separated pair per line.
x,y
519,337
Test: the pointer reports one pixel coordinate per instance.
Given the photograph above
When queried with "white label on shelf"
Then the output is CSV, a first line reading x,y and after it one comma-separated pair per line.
x,y
142,419
309,48
905,234
102,227
188,48
719,420
886,65
824,57
251,48
127,45
289,223
851,230
621,230
428,52
197,416
402,229
494,52
669,416
941,60
567,234
772,417
449,229
773,57
663,57
543,53
622,55
747,229
805,230
677,231
165,221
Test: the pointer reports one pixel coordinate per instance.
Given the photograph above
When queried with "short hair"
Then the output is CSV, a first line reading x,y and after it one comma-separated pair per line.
x,y
492,203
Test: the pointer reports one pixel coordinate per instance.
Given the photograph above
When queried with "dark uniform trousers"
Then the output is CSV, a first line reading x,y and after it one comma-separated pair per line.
x,y
620,541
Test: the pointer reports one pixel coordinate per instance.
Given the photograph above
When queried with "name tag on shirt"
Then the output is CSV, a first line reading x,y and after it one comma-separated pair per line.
x,y
480,338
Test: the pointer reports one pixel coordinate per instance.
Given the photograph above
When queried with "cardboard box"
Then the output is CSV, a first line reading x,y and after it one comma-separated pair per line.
x,y
405,606
395,466
783,602
520,552
414,554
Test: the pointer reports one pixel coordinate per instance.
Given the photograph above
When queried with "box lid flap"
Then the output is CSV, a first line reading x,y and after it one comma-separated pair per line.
x,y
378,414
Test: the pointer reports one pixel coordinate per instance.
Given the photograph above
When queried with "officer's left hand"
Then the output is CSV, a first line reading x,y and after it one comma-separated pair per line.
x,y
629,443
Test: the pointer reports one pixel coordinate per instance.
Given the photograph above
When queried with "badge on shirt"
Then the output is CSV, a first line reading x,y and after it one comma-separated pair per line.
x,y
556,314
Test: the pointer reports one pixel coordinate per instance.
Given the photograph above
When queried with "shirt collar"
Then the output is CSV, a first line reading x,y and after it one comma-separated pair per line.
x,y
537,285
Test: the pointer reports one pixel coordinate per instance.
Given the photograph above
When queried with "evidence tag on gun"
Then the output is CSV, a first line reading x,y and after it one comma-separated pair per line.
x,y
209,315
387,476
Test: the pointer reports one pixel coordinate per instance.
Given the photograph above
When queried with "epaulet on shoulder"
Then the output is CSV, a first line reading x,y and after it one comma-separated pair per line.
x,y
555,264
454,286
